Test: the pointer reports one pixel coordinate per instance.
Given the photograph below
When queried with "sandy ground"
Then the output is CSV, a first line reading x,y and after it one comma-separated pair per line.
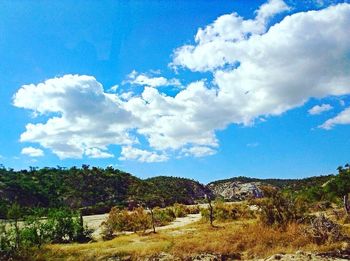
x,y
94,222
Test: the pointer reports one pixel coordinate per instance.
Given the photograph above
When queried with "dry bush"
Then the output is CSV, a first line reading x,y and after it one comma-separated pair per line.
x,y
192,209
122,220
322,230
227,212
179,210
336,214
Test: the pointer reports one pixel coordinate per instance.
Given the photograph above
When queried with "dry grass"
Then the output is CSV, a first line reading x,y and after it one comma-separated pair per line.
x,y
247,238
132,245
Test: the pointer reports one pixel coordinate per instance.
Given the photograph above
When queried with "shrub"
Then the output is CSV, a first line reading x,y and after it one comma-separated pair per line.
x,y
280,210
227,212
58,227
322,230
36,232
164,216
193,209
119,220
179,210
140,220
5,240
66,226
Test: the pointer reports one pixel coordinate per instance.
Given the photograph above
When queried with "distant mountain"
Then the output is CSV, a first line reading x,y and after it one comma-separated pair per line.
x,y
240,188
281,183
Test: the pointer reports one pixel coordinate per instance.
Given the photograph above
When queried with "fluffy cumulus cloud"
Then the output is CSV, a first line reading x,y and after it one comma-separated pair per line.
x,y
276,69
32,152
216,45
319,109
82,119
258,71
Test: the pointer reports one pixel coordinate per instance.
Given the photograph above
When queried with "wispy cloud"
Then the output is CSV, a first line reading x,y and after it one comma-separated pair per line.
x,y
319,109
32,152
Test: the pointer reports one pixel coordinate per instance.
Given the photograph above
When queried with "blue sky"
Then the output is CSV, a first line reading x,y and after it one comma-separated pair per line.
x,y
200,89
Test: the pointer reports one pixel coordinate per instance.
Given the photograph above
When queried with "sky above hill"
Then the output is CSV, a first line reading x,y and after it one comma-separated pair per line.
x,y
200,89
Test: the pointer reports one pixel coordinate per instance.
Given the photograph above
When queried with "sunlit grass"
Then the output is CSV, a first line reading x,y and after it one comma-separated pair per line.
x,y
244,237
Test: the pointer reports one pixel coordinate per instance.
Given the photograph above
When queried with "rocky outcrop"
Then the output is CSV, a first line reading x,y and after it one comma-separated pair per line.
x,y
236,190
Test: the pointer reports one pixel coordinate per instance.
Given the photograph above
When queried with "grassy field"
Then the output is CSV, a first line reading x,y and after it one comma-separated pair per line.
x,y
245,239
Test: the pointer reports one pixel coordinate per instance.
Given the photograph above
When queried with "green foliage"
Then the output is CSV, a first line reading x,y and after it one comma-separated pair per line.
x,y
280,210
163,216
91,190
227,212
177,190
339,185
59,226
66,226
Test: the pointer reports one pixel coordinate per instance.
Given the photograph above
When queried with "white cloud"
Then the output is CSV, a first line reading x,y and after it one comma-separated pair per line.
x,y
270,70
32,152
97,153
318,109
342,118
82,118
145,80
198,151
305,55
220,42
113,88
131,153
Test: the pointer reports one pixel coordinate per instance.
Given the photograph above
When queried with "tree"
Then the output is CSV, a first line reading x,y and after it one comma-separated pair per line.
x,y
211,212
340,185
147,197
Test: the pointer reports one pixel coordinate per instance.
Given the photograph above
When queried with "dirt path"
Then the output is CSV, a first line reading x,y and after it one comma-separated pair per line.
x,y
94,222
180,222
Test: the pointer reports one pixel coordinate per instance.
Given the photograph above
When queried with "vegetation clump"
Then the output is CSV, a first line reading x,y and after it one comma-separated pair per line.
x,y
223,212
23,232
278,209
322,230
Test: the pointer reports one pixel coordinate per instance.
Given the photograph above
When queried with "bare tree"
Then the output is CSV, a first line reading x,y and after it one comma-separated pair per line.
x,y
211,214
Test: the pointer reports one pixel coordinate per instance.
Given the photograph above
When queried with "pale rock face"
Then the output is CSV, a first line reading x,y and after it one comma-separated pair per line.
x,y
235,190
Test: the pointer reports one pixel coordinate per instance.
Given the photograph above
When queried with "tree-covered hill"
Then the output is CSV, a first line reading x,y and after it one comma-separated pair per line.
x,y
173,189
95,190
92,189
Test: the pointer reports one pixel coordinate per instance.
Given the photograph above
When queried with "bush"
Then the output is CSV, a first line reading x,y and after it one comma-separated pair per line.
x,y
280,210
164,216
60,226
180,210
122,220
66,226
140,220
36,232
6,245
192,209
322,230
227,212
